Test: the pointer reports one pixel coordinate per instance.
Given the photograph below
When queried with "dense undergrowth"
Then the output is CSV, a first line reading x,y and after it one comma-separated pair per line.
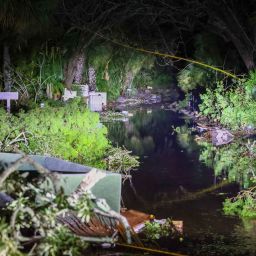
x,y
118,71
232,106
70,132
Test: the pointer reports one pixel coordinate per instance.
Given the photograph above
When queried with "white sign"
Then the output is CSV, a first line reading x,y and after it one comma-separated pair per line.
x,y
8,96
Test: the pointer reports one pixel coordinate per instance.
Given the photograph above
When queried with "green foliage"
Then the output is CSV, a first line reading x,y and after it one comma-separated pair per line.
x,y
155,230
152,77
44,67
36,209
83,207
61,242
207,50
71,132
193,76
244,204
250,86
235,161
233,107
120,160
8,246
113,65
227,161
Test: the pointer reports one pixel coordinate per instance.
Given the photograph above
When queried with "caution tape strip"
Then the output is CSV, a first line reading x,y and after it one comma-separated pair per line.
x,y
156,53
149,250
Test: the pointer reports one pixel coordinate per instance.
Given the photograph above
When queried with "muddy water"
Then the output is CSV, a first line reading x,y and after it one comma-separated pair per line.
x,y
170,172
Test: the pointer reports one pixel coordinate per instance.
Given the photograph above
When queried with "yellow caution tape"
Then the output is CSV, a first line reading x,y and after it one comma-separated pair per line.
x,y
150,250
156,53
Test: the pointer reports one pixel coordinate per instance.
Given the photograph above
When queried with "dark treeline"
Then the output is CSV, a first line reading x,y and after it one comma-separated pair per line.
x,y
220,33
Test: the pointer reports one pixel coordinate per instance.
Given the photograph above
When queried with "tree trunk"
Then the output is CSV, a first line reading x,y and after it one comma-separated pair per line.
x,y
7,69
79,70
227,25
70,69
245,51
92,78
73,70
127,82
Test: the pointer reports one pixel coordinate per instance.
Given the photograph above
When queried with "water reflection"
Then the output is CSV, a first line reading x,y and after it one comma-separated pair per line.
x,y
173,169
145,133
235,161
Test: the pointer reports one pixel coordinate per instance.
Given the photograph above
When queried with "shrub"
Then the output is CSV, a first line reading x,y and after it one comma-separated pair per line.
x,y
244,204
32,74
235,161
120,160
71,132
193,76
227,161
233,107
154,230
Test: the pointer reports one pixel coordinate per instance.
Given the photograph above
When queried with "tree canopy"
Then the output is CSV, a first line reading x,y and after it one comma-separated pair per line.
x,y
168,26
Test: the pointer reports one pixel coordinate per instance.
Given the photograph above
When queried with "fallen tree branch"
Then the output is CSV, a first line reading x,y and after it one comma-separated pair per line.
x,y
26,159
17,234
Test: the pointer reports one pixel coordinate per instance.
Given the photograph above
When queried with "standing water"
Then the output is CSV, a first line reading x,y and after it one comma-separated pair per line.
x,y
169,176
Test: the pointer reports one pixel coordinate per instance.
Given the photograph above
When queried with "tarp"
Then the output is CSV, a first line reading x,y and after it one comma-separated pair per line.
x,y
71,175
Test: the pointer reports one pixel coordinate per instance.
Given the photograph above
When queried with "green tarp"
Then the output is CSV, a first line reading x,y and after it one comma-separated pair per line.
x,y
71,174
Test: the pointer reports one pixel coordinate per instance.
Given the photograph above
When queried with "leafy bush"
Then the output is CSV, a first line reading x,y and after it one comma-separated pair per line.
x,y
193,76
233,107
227,161
71,132
120,160
236,162
207,50
155,230
244,204
32,75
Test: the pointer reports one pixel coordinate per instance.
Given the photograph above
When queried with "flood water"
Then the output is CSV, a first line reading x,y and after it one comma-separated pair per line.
x,y
169,173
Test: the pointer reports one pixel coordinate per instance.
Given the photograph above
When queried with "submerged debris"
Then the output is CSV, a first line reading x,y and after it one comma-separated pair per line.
x,y
218,136
221,136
